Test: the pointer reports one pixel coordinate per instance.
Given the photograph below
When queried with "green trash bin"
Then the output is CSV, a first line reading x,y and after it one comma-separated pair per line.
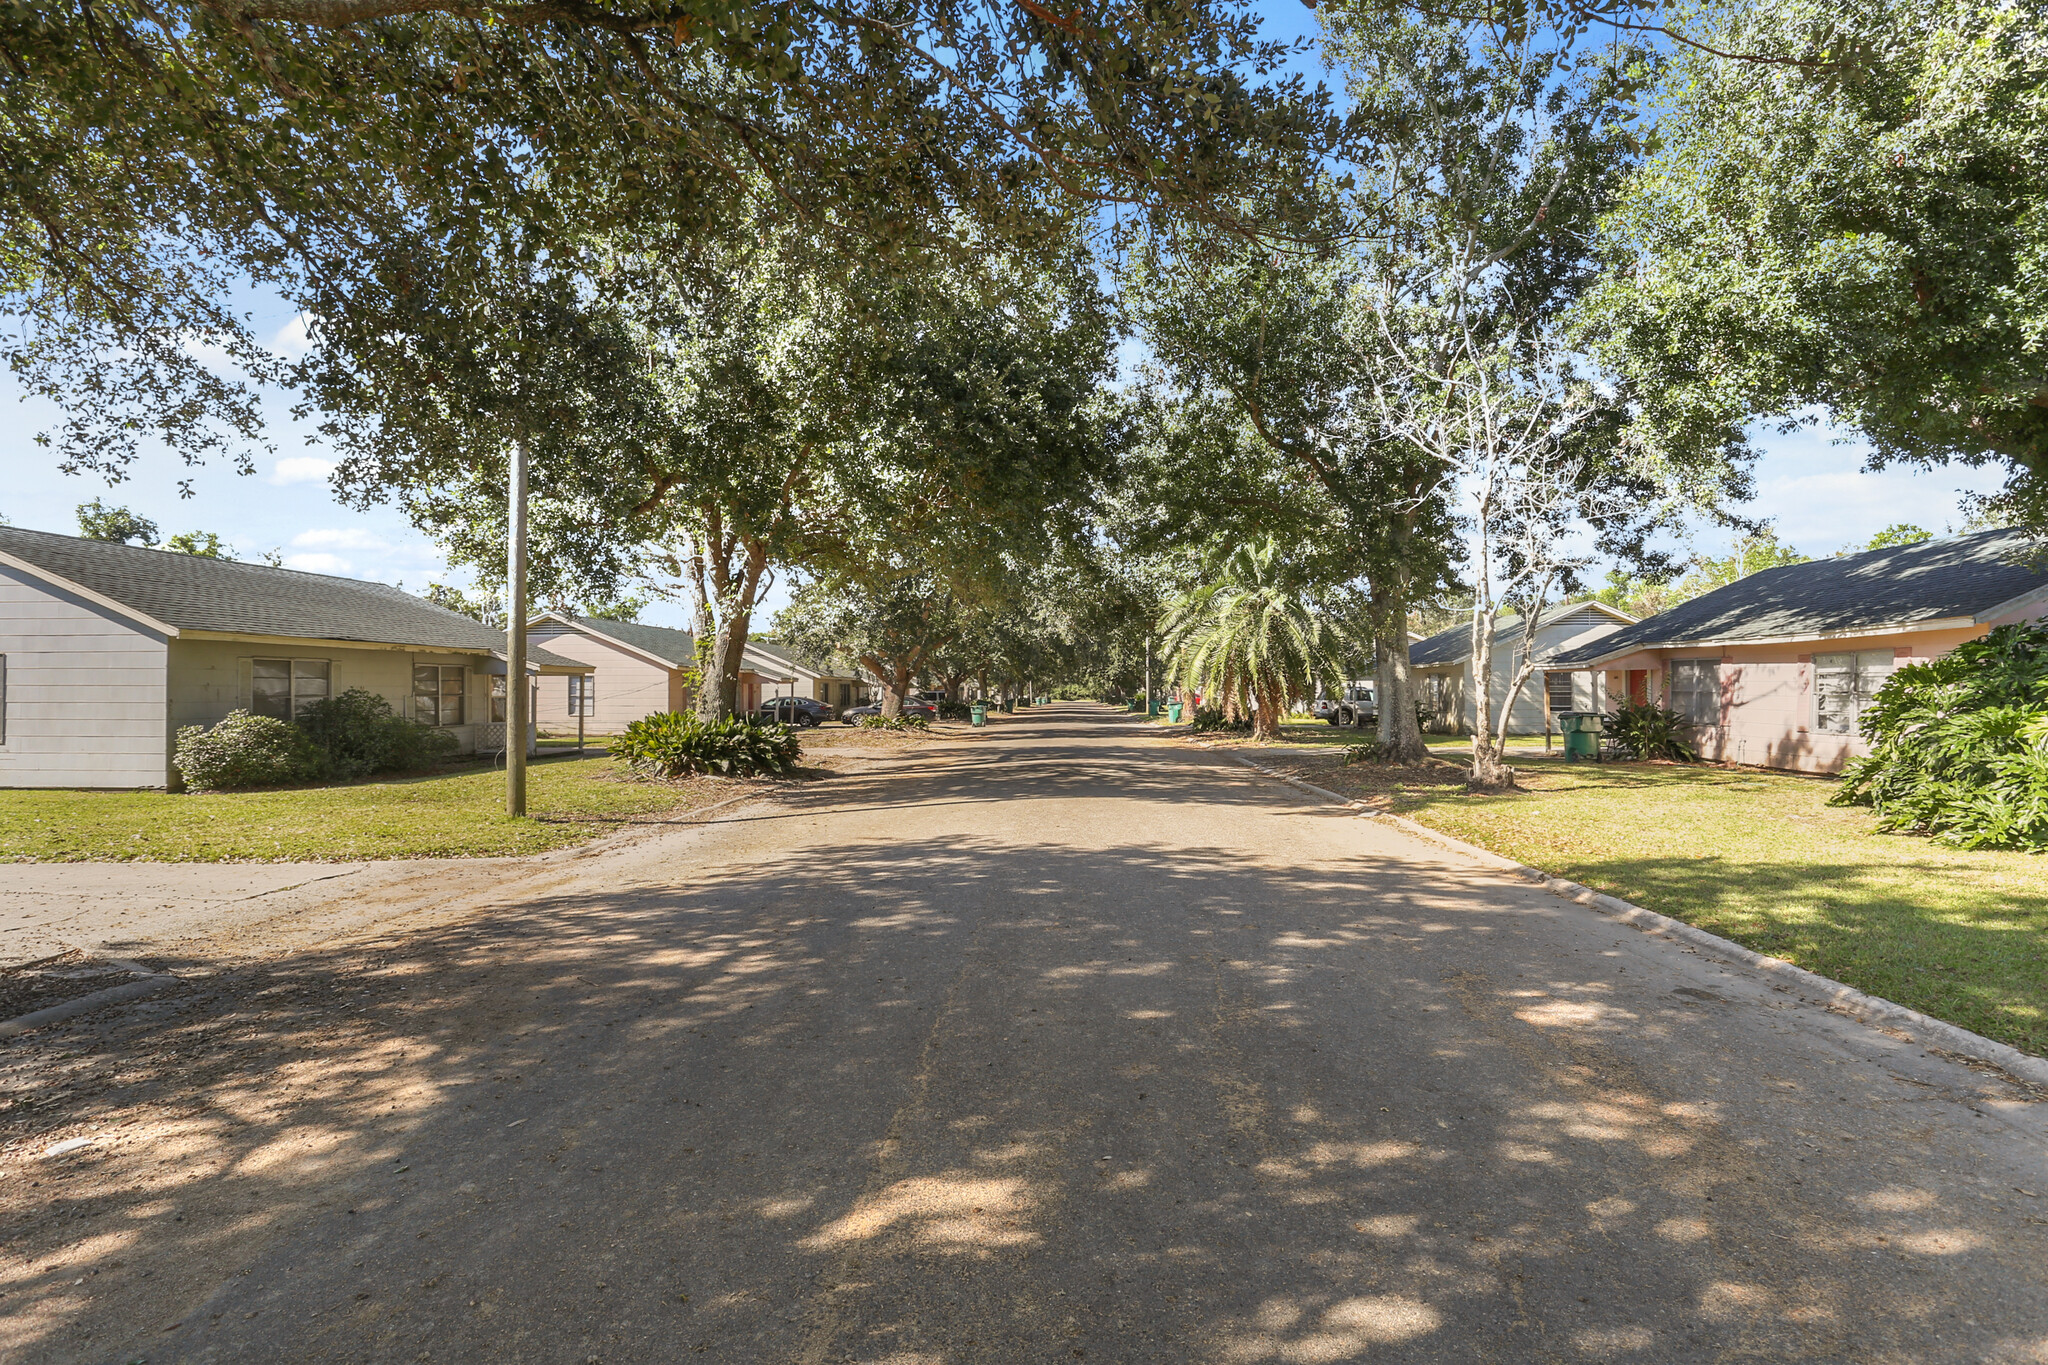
x,y
1582,731
1173,712
977,714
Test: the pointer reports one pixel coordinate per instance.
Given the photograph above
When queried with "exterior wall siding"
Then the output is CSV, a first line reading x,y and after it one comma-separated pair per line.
x,y
1764,713
627,685
86,695
1529,715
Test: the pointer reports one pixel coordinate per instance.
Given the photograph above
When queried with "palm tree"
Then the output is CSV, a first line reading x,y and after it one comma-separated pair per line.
x,y
1250,638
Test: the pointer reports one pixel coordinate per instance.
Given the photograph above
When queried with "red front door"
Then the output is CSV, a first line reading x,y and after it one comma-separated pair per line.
x,y
1639,686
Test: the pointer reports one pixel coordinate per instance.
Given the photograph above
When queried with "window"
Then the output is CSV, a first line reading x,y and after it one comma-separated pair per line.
x,y
582,695
1843,685
437,693
498,695
1696,690
285,687
1557,689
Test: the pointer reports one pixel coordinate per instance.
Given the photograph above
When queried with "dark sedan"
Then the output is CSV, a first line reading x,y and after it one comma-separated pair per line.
x,y
801,711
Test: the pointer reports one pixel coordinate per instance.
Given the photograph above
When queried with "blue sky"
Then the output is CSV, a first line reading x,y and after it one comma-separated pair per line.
x,y
1811,484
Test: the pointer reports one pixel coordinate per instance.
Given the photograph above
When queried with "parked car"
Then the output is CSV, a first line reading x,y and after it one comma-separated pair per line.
x,y
912,706
799,711
1358,707
1322,708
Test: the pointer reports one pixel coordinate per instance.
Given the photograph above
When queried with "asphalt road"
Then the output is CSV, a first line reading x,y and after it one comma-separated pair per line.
x,y
1070,1044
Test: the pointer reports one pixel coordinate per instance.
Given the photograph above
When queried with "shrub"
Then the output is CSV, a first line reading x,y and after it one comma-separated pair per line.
x,y
895,723
246,750
953,710
361,734
671,744
1643,730
1367,751
1210,718
1959,745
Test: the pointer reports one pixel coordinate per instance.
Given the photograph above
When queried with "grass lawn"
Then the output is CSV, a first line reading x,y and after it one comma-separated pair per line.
x,y
1762,859
451,814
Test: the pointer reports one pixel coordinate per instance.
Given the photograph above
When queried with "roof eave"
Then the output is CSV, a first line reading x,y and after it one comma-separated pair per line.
x,y
1726,641
635,650
2011,604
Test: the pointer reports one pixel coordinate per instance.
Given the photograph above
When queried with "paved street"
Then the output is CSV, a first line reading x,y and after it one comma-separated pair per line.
x,y
1064,1043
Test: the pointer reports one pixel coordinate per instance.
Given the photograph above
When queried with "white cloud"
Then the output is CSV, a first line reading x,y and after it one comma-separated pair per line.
x,y
340,538
293,339
332,564
300,469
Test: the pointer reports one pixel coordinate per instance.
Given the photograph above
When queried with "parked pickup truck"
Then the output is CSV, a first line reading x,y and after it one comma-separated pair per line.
x,y
1358,708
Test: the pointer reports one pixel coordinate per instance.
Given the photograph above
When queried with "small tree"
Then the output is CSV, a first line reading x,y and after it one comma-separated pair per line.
x,y
203,544
1251,638
115,525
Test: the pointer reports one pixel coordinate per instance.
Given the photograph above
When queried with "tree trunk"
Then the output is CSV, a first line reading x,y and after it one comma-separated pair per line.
x,y
718,694
1266,718
1399,734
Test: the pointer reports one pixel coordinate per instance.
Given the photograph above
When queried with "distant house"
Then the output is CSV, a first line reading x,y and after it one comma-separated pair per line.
x,y
837,688
107,650
1776,668
639,670
1442,667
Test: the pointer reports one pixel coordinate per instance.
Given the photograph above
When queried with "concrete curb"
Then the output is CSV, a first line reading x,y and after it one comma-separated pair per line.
x,y
1870,1009
85,1004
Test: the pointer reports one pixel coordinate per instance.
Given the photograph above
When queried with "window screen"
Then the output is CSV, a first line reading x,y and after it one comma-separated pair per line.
x,y
1696,690
498,695
1843,684
582,695
1558,687
437,693
285,687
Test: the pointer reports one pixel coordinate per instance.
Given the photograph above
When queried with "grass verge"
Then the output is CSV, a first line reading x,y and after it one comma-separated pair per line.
x,y
449,814
1762,859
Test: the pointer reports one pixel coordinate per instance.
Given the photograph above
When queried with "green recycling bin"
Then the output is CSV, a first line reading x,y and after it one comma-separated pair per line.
x,y
977,714
1173,712
1582,733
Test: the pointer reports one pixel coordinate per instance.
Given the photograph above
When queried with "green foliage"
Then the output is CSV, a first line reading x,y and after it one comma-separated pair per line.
x,y
1367,751
487,606
673,744
361,734
1899,533
204,544
894,723
1644,730
1251,635
1959,745
953,710
1753,553
1861,232
1211,720
116,525
247,750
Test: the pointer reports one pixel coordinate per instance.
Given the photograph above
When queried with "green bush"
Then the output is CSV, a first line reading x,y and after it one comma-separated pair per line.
x,y
894,723
1210,718
671,744
361,734
954,710
246,750
1643,730
1959,745
1367,751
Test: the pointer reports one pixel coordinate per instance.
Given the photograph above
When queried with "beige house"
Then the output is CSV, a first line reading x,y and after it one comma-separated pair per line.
x,y
1442,667
106,651
638,670
837,689
1776,668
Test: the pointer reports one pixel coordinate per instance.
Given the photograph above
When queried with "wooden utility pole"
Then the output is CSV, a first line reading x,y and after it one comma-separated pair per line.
x,y
516,696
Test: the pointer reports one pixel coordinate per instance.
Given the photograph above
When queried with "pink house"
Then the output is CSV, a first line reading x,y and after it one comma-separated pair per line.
x,y
1776,668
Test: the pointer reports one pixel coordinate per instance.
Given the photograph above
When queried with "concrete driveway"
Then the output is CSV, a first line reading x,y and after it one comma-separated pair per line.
x,y
1065,1045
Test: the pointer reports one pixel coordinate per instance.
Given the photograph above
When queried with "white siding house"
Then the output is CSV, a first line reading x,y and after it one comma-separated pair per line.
x,y
1443,670
106,651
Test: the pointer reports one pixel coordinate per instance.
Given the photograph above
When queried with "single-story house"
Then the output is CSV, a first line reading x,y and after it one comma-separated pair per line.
x,y
1442,667
639,669
1775,669
838,689
107,650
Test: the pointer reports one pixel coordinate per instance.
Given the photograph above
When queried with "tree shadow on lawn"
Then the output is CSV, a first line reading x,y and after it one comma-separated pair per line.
x,y
976,1101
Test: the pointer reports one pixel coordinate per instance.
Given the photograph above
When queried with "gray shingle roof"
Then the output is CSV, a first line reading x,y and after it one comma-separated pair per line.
x,y
190,592
1454,645
780,653
1902,585
676,648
